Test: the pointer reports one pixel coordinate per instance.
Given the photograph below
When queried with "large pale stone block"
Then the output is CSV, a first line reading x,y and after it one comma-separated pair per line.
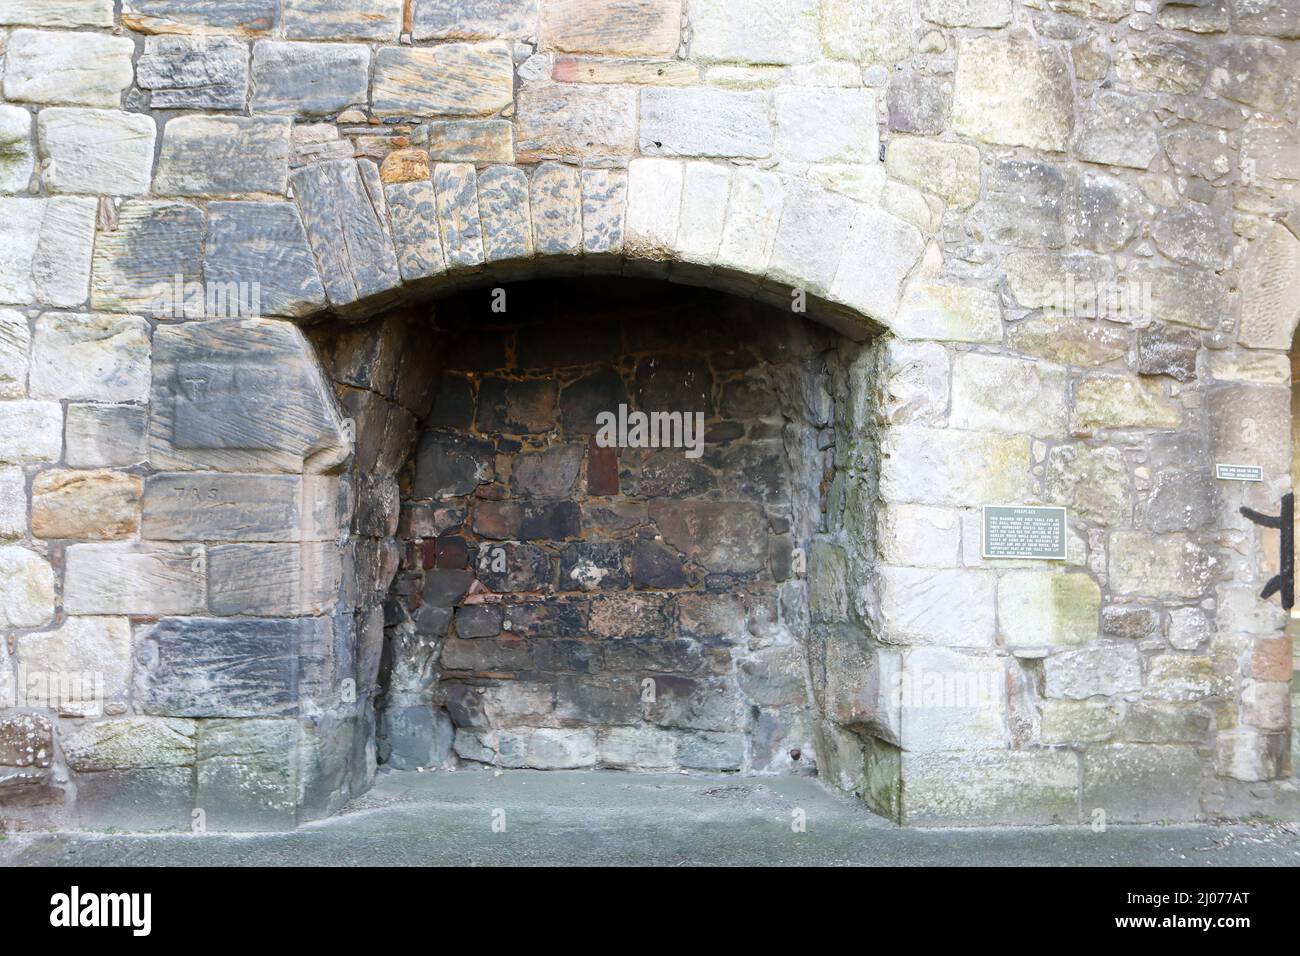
x,y
45,249
155,246
95,357
967,13
956,788
247,396
826,125
413,211
1046,609
949,313
919,535
456,193
85,505
90,656
1118,130
474,141
241,17
653,207
264,246
915,384
806,252
604,208
1122,401
754,31
878,253
353,249
995,393
705,190
313,79
356,20
1170,565
480,20
555,195
15,348
638,28
949,170
1072,284
704,121
952,701
17,157
130,742
26,588
13,503
273,580
455,79
868,31
576,122
1161,64
210,506
224,155
1250,423
1270,285
916,607
938,466
1143,783
205,73
1102,671
134,579
753,216
1012,92
96,151
30,431
57,13
55,66
1092,483
105,436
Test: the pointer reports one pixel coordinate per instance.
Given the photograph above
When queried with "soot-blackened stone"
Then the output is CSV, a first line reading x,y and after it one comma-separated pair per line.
x,y
558,618
580,402
590,566
432,620
516,407
513,567
449,464
478,620
551,521
655,565
446,588
453,406
674,385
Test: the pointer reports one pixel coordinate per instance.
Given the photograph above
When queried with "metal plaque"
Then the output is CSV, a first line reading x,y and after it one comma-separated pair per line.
x,y
1024,531
1239,472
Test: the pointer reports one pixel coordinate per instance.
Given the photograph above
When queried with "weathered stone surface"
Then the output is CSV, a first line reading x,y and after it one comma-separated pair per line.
x,y
58,13
1106,212
867,31
1165,565
205,73
30,431
506,214
918,103
1192,297
1168,350
720,536
210,667
993,393
263,245
105,436
1161,64
1114,401
1270,284
130,741
85,505
248,773
1070,341
1192,234
1020,786
702,121
951,701
85,664
1093,483
472,141
1025,204
1037,609
626,28
455,79
950,313
103,358
961,13
915,603
826,125
26,740
1080,721
273,580
359,20
15,346
456,193
556,198
813,221
754,32
13,505
1256,73
916,384
1012,92
1142,783
312,79
224,155
241,395
575,122
133,579
241,17
350,240
96,151
484,19
26,588
1093,672
412,208
950,170
1070,284
83,69
137,264
937,466
1117,129
203,506
404,166
45,249
17,157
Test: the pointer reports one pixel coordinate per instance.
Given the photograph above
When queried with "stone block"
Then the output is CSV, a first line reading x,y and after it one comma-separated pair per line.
x,y
723,537
717,752
309,79
754,32
13,506
966,788
1120,401
951,701
917,604
1270,282
1080,721
454,79
704,121
878,253
202,73
948,313
30,431
223,156
555,749
915,384
1093,483
808,243
125,742
480,20
96,151
949,170
1142,783
233,396
1173,564
209,506
962,13
456,192
17,156
273,580
55,66
155,247
58,13
636,748
637,28
101,358
45,250
26,588
472,141
240,17
379,20
826,125
247,774
570,122
1117,129
85,505
506,214
1101,671
753,217
654,208
134,579
81,669
105,436
556,200
604,205
1161,64
413,210
868,31
994,393
1042,609
968,469
264,246
1012,92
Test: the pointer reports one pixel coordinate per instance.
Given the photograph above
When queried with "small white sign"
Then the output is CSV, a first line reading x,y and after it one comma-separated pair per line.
x,y
1024,531
1225,472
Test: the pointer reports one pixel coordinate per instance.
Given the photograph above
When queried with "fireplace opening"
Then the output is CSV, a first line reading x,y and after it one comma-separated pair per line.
x,y
615,532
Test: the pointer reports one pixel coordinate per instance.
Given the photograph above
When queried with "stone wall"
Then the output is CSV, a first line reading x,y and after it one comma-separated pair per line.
x,y
960,180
